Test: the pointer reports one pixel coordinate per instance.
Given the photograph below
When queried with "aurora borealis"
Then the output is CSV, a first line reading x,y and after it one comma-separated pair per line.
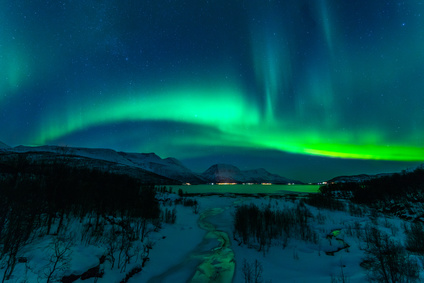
x,y
306,89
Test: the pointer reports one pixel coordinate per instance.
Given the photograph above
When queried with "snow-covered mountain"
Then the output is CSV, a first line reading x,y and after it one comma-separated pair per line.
x,y
3,145
169,167
262,176
222,173
225,173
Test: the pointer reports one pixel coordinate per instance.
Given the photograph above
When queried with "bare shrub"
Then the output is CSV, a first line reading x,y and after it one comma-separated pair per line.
x,y
252,272
415,237
386,259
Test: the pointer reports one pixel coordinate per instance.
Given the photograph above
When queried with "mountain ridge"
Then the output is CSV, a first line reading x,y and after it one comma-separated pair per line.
x,y
357,178
146,161
169,167
3,145
44,158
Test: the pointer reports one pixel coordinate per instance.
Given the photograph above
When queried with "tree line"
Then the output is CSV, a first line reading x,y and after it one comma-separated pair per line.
x,y
265,226
393,186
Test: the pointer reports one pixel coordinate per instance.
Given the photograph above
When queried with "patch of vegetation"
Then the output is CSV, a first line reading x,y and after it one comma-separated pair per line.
x,y
383,188
415,237
263,226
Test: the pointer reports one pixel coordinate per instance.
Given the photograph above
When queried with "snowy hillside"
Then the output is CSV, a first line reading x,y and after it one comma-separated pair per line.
x,y
3,145
203,248
42,158
225,173
168,167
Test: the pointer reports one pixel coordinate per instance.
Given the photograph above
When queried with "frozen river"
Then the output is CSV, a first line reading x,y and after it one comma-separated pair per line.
x,y
212,260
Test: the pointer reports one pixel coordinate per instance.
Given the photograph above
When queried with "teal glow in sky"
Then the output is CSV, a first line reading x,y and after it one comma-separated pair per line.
x,y
307,89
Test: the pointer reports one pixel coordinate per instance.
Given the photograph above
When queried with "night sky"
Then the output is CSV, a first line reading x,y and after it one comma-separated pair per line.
x,y
307,89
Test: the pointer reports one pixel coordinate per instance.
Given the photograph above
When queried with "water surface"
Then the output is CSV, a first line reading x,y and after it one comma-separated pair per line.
x,y
247,189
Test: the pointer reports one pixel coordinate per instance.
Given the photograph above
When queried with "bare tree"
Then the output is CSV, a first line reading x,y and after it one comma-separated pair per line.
x,y
59,260
252,272
111,245
247,271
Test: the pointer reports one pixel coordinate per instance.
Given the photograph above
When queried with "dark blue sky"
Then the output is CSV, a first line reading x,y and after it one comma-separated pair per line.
x,y
306,89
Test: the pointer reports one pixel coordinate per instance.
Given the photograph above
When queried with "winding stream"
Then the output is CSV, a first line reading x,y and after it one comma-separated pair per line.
x,y
218,265
210,261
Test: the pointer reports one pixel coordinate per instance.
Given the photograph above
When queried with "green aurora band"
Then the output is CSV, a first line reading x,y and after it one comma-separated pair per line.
x,y
238,122
299,93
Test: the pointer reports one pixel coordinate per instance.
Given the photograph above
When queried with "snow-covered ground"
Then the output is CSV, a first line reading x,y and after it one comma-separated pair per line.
x,y
201,248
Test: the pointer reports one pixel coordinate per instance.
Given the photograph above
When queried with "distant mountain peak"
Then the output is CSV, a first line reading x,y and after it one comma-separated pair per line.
x,y
223,167
174,161
226,173
150,155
